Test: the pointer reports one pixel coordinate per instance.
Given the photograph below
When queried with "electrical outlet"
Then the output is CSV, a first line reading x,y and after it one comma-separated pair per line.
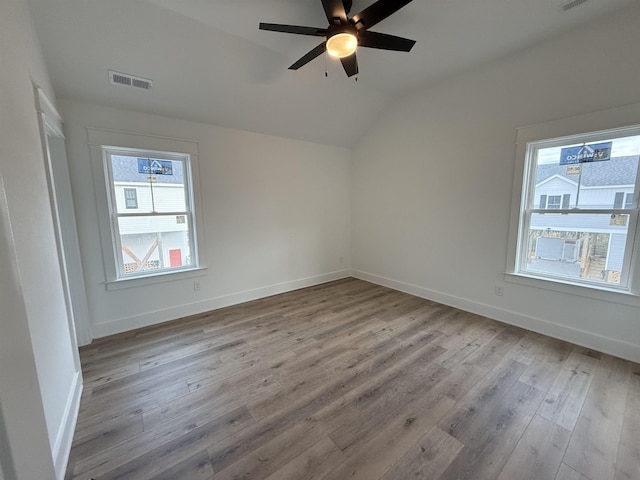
x,y
498,290
196,285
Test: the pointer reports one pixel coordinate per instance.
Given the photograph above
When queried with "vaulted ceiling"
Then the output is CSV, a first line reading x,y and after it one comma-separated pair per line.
x,y
210,63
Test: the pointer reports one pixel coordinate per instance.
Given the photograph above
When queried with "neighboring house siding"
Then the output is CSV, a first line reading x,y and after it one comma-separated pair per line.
x,y
601,197
167,197
555,186
144,225
616,252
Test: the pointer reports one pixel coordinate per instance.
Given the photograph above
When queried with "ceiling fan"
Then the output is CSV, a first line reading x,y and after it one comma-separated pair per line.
x,y
344,34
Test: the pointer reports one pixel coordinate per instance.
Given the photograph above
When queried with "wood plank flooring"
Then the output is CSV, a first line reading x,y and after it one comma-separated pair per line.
x,y
350,380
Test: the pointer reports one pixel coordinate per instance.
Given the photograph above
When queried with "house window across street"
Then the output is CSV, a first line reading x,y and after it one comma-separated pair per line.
x,y
591,184
554,201
130,198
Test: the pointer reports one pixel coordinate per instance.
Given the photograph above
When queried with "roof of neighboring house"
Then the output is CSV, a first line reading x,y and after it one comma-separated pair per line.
x,y
125,169
617,171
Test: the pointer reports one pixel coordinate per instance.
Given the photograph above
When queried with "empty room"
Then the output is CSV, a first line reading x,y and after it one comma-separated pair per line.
x,y
319,239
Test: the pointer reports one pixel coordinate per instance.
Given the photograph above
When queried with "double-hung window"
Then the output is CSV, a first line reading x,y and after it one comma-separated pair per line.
x,y
578,213
151,211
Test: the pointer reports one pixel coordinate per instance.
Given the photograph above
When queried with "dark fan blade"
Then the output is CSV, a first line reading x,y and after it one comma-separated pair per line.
x,y
319,50
335,10
384,41
350,64
276,27
377,12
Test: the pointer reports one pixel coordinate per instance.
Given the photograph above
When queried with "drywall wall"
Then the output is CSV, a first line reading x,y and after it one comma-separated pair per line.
x,y
432,181
40,374
276,216
24,449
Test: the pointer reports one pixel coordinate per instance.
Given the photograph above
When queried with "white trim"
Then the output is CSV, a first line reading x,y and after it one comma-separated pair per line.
x,y
594,126
625,118
606,187
60,195
186,187
602,292
166,276
101,139
52,118
64,438
576,336
141,141
165,315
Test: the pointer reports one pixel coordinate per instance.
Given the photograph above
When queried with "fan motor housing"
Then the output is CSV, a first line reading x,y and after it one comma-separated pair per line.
x,y
336,29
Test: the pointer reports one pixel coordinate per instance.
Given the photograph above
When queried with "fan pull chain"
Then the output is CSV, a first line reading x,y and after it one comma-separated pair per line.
x,y
326,70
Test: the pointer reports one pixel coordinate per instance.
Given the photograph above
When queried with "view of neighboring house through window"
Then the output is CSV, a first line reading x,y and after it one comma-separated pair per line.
x,y
151,211
579,215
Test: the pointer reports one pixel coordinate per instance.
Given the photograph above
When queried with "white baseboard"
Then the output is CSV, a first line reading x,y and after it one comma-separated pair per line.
x,y
612,346
62,446
159,316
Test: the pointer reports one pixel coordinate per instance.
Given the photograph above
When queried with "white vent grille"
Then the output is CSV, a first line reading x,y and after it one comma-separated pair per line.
x,y
572,4
118,78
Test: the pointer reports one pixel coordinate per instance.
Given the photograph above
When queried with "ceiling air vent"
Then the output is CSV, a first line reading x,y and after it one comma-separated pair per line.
x,y
571,4
117,78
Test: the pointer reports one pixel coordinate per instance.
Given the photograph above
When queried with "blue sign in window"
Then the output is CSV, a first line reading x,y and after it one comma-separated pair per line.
x,y
594,152
152,166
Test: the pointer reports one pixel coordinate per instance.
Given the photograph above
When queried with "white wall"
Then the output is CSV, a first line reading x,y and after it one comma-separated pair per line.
x,y
276,216
39,368
432,181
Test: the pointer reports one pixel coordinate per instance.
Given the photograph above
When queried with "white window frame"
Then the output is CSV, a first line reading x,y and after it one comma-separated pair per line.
x,y
617,122
101,141
115,216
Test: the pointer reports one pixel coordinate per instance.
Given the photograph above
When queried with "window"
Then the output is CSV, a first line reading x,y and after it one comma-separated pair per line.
x,y
592,180
130,198
158,237
628,202
555,201
623,200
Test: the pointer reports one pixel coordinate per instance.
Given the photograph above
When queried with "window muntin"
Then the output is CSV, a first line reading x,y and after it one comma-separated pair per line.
x,y
157,237
592,239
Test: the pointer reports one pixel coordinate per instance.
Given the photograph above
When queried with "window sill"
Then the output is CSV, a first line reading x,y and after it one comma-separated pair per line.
x,y
591,291
144,281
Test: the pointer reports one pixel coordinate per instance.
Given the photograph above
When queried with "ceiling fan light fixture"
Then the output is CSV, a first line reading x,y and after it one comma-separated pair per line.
x,y
345,34
342,45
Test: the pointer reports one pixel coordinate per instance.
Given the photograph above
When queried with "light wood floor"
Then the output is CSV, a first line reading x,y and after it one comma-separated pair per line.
x,y
349,380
